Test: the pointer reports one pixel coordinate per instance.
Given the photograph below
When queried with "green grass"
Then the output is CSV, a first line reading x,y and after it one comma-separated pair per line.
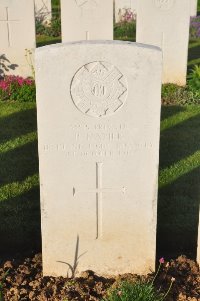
x,y
19,182
179,189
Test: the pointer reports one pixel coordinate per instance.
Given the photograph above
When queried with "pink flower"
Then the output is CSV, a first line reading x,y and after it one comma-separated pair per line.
x,y
162,260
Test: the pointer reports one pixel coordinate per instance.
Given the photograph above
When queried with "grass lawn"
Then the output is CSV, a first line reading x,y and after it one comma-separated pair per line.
x,y
179,189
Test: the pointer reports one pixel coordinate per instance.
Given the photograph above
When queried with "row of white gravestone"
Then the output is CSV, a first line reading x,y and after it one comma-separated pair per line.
x,y
93,20
121,7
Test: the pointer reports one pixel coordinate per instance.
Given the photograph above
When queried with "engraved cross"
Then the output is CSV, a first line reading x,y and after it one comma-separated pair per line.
x,y
99,196
7,20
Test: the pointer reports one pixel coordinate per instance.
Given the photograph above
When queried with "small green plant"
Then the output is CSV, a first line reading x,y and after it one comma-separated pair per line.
x,y
139,290
54,30
1,285
134,291
177,95
29,59
125,31
194,79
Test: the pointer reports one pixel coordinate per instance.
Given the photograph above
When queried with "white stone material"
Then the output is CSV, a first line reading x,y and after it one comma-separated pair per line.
x,y
87,20
17,33
193,6
43,10
166,24
122,5
99,151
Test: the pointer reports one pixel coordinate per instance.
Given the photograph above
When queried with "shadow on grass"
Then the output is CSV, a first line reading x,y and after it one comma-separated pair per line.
x,y
178,202
18,164
169,111
19,205
179,142
193,55
178,217
20,225
17,124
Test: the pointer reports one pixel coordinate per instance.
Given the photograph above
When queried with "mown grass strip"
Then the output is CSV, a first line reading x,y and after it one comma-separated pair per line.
x,y
15,189
17,142
171,174
179,118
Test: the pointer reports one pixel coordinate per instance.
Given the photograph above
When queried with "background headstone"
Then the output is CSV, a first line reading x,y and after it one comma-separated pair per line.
x,y
99,154
166,24
193,4
121,6
43,10
86,20
17,33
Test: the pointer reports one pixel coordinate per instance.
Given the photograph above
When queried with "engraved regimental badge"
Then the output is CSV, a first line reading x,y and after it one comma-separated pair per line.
x,y
99,89
83,2
164,4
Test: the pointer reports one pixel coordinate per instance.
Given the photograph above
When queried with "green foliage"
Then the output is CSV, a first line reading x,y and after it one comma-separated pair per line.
x,y
134,291
40,28
54,30
15,88
177,95
194,79
24,93
125,31
1,285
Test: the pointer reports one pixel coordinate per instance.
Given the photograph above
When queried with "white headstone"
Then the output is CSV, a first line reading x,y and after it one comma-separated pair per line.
x,y
43,10
17,33
87,20
193,4
98,151
123,6
165,23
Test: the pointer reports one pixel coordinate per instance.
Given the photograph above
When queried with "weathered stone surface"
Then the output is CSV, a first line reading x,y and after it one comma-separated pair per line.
x,y
98,148
166,24
17,32
193,6
86,20
121,6
43,10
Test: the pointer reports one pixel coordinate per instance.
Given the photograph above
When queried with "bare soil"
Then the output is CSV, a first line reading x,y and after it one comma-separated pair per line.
x,y
24,282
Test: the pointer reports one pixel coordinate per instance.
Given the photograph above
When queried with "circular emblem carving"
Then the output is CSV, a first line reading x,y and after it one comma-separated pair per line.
x,y
164,4
82,3
99,89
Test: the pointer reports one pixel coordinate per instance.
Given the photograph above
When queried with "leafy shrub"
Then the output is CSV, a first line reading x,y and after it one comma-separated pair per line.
x,y
194,79
54,30
195,27
16,88
190,94
134,291
177,95
125,30
40,28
